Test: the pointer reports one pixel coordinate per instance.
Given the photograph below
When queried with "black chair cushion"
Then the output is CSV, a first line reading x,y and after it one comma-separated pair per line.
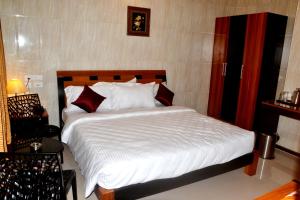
x,y
30,176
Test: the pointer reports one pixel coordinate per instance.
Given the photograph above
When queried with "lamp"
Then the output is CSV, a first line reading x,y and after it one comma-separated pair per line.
x,y
15,86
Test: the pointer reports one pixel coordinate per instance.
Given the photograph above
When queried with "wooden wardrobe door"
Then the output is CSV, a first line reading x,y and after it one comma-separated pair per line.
x,y
217,71
250,73
232,67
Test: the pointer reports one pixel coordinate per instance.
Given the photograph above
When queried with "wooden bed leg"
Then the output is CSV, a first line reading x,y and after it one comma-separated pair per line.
x,y
104,194
251,169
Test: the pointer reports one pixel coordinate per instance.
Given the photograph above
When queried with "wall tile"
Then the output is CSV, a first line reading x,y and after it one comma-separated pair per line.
x,y
207,47
72,38
73,9
158,16
8,7
9,35
290,26
292,8
289,133
231,3
37,8
31,7
28,37
230,10
284,64
50,39
113,11
197,48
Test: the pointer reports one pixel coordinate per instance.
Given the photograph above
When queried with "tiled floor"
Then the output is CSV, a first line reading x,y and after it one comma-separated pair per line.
x,y
232,185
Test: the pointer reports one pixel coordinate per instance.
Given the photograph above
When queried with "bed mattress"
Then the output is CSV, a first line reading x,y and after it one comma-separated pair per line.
x,y
116,149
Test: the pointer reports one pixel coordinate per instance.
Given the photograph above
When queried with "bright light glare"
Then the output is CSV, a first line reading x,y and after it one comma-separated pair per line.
x,y
21,40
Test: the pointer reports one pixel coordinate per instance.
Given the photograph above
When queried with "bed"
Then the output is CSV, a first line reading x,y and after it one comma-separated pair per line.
x,y
129,154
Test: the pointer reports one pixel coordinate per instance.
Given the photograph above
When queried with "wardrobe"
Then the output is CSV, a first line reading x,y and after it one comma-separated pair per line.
x,y
245,67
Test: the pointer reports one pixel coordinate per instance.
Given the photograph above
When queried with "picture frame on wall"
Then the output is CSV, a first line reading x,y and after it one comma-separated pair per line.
x,y
138,21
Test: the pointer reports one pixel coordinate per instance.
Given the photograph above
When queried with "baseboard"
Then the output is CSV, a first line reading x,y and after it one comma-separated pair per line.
x,y
294,153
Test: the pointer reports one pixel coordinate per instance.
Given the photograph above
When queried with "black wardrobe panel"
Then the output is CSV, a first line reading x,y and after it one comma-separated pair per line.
x,y
272,54
233,67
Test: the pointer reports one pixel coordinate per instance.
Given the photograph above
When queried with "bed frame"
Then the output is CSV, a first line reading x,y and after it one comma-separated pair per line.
x,y
66,78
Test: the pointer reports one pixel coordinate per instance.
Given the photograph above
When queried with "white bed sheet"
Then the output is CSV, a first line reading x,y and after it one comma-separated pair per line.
x,y
116,149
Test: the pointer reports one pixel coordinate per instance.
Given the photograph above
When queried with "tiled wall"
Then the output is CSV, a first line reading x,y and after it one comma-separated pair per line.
x,y
289,129
42,36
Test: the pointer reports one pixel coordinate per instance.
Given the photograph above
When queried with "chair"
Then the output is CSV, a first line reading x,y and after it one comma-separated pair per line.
x,y
34,176
29,120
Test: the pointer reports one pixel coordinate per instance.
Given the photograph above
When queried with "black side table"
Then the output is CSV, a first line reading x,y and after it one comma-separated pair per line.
x,y
48,146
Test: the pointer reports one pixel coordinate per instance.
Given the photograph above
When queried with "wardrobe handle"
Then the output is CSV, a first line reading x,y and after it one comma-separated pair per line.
x,y
242,69
225,69
222,69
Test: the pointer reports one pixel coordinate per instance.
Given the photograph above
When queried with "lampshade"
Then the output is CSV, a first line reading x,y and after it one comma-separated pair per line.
x,y
15,86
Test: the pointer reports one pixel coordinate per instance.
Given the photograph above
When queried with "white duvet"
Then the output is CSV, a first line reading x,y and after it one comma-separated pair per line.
x,y
123,148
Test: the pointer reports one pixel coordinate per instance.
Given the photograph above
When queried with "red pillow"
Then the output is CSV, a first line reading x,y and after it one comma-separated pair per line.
x,y
164,95
88,100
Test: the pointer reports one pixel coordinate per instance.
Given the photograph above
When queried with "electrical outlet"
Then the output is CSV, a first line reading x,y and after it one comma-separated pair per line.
x,y
33,81
33,77
38,84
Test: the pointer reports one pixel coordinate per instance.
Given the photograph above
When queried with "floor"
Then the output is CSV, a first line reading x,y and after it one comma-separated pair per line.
x,y
232,185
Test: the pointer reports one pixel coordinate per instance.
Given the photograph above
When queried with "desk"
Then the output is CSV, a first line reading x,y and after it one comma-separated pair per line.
x,y
282,109
285,110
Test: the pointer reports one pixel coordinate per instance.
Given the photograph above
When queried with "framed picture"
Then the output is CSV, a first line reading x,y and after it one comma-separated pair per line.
x,y
138,21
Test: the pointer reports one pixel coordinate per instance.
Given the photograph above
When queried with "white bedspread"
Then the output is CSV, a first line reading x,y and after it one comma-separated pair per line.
x,y
123,148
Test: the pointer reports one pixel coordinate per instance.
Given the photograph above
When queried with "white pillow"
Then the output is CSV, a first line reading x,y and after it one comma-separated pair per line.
x,y
130,83
137,96
73,92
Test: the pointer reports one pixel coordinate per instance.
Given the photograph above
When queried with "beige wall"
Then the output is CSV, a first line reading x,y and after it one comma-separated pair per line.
x,y
91,34
289,129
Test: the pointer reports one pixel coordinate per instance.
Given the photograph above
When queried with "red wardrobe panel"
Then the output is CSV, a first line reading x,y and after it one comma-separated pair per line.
x,y
217,71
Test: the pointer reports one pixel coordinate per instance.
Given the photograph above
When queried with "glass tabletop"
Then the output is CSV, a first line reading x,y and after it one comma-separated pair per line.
x,y
48,146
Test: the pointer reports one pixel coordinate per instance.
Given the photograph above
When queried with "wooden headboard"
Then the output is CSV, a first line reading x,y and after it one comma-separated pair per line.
x,y
89,77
